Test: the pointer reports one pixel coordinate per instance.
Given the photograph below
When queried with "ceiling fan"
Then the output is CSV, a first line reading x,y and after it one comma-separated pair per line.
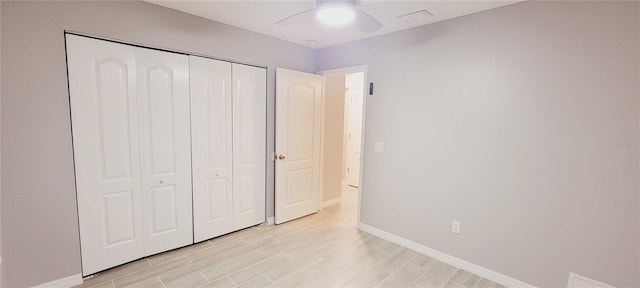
x,y
335,13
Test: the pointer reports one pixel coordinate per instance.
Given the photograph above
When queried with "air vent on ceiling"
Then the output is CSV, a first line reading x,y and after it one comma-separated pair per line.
x,y
415,17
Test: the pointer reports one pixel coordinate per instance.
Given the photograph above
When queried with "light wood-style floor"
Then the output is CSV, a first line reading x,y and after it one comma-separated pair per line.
x,y
321,250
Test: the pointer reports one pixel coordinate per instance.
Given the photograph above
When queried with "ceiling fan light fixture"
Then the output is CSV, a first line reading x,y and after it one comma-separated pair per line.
x,y
336,14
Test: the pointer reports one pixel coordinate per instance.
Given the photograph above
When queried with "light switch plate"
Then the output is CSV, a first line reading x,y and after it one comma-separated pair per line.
x,y
378,147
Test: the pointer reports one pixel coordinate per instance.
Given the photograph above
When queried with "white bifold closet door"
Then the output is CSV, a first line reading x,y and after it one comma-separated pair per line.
x,y
211,130
249,144
165,149
228,122
130,115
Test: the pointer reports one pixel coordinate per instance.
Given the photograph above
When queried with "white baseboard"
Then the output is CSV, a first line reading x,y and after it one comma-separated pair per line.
x,y
579,281
270,221
330,202
70,281
446,258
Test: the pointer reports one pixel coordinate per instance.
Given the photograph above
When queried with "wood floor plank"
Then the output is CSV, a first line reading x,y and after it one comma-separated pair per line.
x,y
152,272
107,284
195,268
336,279
367,278
366,261
292,244
437,276
287,270
343,247
223,282
389,247
397,259
465,278
259,268
236,264
298,280
348,262
423,261
195,280
308,247
484,283
249,248
257,282
403,277
152,282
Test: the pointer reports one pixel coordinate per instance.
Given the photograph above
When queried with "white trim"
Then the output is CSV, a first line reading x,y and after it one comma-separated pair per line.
x,y
270,221
68,281
579,281
322,138
446,258
331,202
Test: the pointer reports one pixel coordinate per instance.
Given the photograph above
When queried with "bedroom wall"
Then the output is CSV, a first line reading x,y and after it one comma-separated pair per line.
x,y
523,123
38,213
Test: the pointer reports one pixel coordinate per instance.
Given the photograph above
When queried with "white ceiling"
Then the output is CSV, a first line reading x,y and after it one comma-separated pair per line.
x,y
261,15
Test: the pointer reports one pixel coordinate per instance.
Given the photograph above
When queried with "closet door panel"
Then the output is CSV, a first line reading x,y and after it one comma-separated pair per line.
x,y
163,92
249,145
105,127
211,130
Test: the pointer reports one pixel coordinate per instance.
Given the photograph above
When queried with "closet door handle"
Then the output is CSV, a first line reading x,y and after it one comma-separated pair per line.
x,y
280,157
162,181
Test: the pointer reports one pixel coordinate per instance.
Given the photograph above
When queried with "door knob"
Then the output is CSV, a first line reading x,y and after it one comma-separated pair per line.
x,y
162,181
281,157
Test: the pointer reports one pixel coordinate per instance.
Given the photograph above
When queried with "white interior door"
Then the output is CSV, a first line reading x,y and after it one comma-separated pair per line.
x,y
249,142
211,134
298,116
165,158
354,83
104,109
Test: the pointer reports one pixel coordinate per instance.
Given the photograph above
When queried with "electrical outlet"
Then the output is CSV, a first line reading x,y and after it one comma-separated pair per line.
x,y
455,226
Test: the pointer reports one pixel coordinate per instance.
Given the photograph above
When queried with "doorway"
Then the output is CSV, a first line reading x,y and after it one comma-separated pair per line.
x,y
343,126
319,125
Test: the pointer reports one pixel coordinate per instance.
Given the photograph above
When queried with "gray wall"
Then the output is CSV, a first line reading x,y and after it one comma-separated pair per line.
x,y
523,123
39,220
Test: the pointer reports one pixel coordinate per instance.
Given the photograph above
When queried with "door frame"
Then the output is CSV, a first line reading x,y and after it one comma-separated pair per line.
x,y
342,71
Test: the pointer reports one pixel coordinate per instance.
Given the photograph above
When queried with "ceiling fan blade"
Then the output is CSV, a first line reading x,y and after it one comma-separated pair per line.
x,y
298,18
365,22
